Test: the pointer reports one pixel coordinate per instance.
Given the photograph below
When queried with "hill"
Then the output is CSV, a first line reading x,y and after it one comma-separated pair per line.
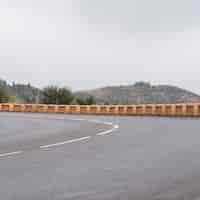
x,y
138,93
141,93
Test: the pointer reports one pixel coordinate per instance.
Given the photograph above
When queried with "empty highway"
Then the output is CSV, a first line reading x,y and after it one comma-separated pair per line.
x,y
66,157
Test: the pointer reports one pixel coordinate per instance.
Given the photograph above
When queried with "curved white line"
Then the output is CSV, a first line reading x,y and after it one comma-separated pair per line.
x,y
108,131
114,127
105,132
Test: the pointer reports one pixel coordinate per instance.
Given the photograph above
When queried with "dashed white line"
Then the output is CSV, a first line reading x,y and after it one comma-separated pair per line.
x,y
105,132
10,154
65,142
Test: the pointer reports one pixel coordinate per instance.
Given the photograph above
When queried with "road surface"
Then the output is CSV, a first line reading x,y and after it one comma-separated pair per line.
x,y
63,157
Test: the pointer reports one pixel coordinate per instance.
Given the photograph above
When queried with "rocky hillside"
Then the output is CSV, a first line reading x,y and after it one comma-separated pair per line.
x,y
141,93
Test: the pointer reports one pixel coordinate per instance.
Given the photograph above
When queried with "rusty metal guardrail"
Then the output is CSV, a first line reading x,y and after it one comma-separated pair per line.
x,y
192,109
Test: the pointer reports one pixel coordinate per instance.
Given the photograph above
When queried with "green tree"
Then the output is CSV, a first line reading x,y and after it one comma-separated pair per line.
x,y
90,100
56,95
64,96
80,101
87,101
106,103
12,99
50,95
3,96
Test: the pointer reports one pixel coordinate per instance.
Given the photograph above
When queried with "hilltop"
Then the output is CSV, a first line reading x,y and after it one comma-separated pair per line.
x,y
141,93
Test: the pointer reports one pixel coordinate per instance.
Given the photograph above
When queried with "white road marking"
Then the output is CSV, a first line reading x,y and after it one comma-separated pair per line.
x,y
89,120
10,154
78,119
105,132
116,126
108,123
93,121
108,131
65,142
100,122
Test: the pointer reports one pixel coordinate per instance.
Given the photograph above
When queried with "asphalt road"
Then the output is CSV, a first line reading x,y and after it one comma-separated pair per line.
x,y
57,157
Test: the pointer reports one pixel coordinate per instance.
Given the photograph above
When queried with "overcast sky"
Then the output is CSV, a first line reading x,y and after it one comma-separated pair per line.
x,y
92,43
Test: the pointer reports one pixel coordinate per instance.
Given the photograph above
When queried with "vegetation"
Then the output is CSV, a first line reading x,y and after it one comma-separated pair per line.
x,y
65,96
56,95
3,96
12,99
87,101
21,93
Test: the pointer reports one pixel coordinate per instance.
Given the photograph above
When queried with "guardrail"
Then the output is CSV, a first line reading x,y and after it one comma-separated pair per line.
x,y
192,109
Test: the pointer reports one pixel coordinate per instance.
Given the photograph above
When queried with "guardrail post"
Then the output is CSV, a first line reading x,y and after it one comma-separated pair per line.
x,y
148,109
197,109
84,109
121,110
131,110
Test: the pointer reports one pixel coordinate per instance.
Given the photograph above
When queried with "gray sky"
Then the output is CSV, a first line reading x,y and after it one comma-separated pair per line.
x,y
92,43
